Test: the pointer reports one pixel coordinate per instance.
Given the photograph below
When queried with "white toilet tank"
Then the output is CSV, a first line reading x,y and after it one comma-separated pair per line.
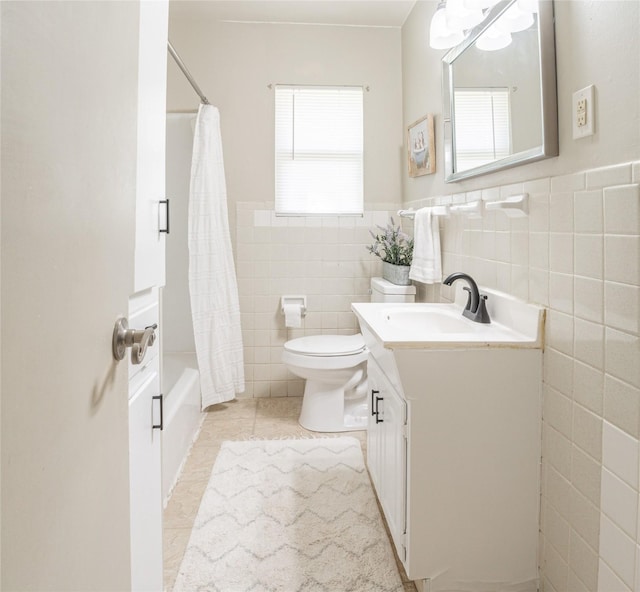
x,y
384,291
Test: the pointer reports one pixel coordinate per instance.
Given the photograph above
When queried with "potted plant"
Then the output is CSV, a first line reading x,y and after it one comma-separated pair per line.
x,y
395,248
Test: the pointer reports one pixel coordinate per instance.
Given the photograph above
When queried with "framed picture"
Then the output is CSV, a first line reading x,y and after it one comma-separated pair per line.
x,y
421,147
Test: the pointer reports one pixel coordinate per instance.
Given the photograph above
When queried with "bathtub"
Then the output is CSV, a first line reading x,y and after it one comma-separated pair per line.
x,y
182,415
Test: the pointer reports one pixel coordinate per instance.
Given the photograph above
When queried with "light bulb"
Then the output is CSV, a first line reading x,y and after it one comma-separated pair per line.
x,y
514,20
481,4
440,36
528,5
493,39
460,18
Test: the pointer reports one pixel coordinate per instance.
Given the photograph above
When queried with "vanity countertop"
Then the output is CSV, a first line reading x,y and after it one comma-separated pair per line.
x,y
514,324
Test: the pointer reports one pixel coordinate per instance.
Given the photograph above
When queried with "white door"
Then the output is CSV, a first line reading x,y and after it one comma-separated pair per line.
x,y
69,118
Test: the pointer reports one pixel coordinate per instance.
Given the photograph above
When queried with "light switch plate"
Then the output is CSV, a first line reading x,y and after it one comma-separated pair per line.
x,y
583,112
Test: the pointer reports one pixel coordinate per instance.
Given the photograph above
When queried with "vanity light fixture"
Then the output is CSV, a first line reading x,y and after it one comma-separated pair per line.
x,y
482,4
454,18
493,39
440,36
514,19
459,17
528,5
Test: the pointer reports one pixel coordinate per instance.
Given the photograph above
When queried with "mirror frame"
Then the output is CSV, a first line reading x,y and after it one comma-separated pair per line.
x,y
549,99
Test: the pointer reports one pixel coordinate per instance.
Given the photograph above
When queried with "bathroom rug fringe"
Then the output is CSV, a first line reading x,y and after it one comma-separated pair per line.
x,y
288,515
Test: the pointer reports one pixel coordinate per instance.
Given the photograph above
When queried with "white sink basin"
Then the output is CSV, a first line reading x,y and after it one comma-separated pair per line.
x,y
514,323
428,319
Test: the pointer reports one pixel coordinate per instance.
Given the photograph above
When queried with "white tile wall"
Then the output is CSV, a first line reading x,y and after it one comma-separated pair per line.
x,y
620,454
618,550
619,503
608,581
619,174
323,258
578,253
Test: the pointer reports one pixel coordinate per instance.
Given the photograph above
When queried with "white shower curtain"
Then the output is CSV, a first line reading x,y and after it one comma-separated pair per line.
x,y
212,279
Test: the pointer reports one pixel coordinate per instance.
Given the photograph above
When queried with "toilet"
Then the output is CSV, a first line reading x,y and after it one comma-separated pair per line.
x,y
335,370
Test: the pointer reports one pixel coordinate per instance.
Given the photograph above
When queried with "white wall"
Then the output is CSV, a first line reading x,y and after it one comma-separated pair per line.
x,y
233,63
324,258
576,253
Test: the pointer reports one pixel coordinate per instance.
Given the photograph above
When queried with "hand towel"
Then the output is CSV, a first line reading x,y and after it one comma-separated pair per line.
x,y
427,260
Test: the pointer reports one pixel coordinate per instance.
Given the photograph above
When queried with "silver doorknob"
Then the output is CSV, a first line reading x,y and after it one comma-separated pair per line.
x,y
137,339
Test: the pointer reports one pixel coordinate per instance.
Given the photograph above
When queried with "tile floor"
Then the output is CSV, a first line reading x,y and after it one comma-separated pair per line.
x,y
237,420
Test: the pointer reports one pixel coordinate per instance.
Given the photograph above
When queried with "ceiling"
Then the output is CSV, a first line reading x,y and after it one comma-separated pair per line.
x,y
369,13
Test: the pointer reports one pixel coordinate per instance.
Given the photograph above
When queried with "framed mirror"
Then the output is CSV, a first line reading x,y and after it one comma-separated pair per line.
x,y
499,92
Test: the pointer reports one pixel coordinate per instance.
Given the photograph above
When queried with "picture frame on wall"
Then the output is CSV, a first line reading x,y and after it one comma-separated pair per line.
x,y
421,152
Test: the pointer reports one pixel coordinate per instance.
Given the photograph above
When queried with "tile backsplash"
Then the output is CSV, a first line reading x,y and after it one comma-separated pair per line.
x,y
578,254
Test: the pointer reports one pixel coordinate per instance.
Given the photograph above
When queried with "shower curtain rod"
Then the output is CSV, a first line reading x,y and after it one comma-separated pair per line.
x,y
176,57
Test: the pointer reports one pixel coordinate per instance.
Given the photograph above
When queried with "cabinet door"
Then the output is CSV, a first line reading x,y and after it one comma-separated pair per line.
x,y
150,181
374,430
392,413
145,466
387,452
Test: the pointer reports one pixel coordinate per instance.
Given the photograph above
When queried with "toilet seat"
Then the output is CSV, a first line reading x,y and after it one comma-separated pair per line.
x,y
329,352
326,345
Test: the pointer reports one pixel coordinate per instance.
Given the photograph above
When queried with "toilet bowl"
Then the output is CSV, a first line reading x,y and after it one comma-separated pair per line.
x,y
335,370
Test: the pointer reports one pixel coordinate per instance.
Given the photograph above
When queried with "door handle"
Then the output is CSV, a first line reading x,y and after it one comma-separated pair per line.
x,y
137,339
166,220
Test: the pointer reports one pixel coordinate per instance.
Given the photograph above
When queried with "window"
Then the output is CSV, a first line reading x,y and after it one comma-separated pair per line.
x,y
319,150
484,116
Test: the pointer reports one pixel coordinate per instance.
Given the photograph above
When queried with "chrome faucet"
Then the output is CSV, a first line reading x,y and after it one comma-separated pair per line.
x,y
476,309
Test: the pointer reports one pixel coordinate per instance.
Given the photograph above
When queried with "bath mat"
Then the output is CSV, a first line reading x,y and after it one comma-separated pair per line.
x,y
289,516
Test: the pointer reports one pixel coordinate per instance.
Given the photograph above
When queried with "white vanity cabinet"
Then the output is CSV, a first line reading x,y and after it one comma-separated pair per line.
x,y
387,451
455,461
454,441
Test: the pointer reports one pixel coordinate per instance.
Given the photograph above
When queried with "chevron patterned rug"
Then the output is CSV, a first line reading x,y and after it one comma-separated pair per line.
x,y
289,516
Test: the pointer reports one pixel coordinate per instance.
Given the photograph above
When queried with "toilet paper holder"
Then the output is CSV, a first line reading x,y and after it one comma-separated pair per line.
x,y
300,301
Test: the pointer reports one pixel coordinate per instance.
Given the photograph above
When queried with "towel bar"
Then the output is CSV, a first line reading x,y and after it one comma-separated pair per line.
x,y
435,210
514,207
471,209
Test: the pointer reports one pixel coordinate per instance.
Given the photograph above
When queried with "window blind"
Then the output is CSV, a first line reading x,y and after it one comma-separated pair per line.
x,y
318,150
483,126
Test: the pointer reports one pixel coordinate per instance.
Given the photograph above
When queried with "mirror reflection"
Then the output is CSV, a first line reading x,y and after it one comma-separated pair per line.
x,y
495,88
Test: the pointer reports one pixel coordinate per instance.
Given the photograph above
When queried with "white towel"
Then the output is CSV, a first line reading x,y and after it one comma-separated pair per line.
x,y
212,278
427,260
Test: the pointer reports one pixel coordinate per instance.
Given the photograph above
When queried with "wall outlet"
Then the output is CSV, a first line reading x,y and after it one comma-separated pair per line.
x,y
583,112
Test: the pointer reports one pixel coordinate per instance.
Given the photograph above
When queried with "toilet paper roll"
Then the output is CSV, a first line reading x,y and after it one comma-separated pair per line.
x,y
292,315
